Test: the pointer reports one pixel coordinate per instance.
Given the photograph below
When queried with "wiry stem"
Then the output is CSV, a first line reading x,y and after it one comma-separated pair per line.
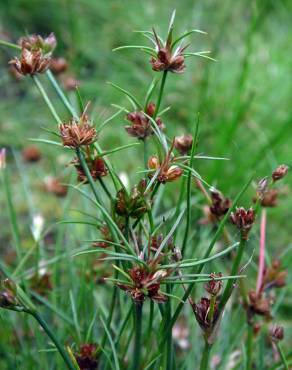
x,y
205,357
138,336
262,250
54,339
282,355
160,94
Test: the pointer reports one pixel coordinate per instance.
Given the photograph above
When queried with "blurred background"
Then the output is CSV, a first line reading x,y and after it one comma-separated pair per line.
x,y
244,99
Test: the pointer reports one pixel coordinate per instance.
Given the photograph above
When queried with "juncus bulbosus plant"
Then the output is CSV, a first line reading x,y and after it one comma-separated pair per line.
x,y
147,249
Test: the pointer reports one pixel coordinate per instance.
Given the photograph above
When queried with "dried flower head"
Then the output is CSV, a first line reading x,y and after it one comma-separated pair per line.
x,y
274,276
70,83
133,204
145,283
167,170
37,42
243,219
259,304
183,143
58,65
31,62
54,186
96,167
270,198
213,287
166,58
201,311
141,125
220,205
87,356
8,295
31,154
276,333
280,172
77,133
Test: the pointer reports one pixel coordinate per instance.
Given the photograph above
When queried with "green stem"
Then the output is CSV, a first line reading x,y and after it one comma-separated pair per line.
x,y
205,358
87,173
283,357
61,94
10,45
145,142
249,347
160,94
54,339
111,312
105,189
138,334
46,99
230,283
169,349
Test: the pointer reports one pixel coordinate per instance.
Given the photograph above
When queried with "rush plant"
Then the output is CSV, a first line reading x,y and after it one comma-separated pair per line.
x,y
162,276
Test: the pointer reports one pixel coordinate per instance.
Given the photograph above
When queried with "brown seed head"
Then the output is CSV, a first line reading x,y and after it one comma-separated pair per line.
x,y
243,219
277,333
96,166
141,125
220,205
213,287
87,356
183,143
31,62
58,65
31,154
37,42
75,134
280,172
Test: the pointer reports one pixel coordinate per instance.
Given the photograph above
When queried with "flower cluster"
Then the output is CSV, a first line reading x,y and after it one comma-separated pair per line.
x,y
168,171
134,204
145,283
141,125
35,54
243,220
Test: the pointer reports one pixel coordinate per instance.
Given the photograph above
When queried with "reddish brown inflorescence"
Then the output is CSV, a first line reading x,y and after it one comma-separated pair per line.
x,y
243,220
280,172
166,59
141,125
145,284
87,356
183,143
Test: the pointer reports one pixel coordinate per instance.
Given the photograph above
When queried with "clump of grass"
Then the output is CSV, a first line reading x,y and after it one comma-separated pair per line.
x,y
153,265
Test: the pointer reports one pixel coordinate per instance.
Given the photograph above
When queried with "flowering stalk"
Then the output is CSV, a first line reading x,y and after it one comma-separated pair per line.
x,y
282,356
138,306
205,356
262,250
160,94
229,286
54,339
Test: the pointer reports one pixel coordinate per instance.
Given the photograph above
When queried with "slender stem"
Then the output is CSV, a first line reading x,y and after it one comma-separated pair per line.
x,y
61,94
54,339
103,185
145,142
87,173
205,357
262,250
169,351
230,283
160,94
10,45
282,355
249,347
46,99
138,334
111,312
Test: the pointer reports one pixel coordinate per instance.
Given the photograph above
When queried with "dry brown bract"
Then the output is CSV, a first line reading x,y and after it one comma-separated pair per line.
x,y
75,134
31,62
166,59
